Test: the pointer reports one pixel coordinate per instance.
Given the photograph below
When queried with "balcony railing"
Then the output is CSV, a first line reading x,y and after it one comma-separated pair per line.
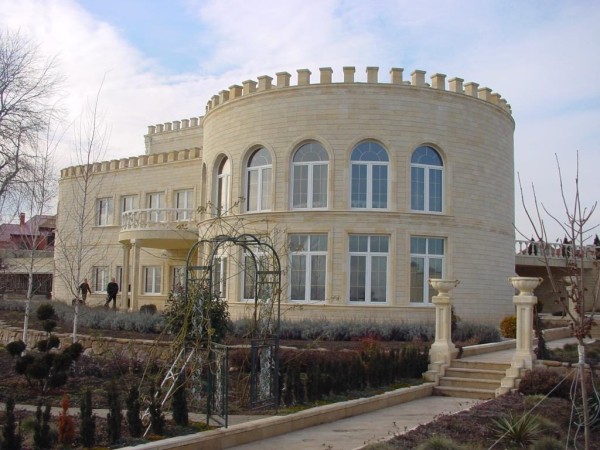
x,y
157,219
556,250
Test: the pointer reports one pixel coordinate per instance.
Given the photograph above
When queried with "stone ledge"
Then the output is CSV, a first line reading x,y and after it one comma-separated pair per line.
x,y
247,432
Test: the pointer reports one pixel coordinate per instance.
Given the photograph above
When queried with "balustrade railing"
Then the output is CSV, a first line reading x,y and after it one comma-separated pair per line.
x,y
537,249
156,218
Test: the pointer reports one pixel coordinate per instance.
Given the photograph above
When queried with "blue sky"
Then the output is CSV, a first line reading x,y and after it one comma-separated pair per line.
x,y
161,61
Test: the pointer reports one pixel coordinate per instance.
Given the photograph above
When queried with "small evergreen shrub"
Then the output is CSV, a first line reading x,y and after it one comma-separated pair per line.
x,y
518,430
148,309
544,382
547,443
440,443
42,436
87,432
157,418
45,311
11,439
179,403
508,327
15,348
134,421
114,416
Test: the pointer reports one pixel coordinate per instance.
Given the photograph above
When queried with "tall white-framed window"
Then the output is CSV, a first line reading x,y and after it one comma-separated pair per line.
x,y
310,172
308,267
368,268
152,279
184,203
155,202
250,276
177,277
426,180
100,278
104,211
128,203
258,181
426,261
369,168
220,275
222,188
119,277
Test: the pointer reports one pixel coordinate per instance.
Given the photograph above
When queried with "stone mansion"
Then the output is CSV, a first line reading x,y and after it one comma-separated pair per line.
x,y
368,189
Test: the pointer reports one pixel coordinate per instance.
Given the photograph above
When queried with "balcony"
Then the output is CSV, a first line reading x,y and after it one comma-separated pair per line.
x,y
168,228
534,253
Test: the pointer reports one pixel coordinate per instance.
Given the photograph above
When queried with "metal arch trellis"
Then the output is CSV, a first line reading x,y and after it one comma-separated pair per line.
x,y
266,269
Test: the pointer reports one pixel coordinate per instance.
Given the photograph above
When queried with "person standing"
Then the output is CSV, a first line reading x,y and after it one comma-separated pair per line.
x,y
112,290
84,289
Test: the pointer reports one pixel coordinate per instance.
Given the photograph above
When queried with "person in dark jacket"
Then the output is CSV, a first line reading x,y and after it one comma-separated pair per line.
x,y
84,288
112,290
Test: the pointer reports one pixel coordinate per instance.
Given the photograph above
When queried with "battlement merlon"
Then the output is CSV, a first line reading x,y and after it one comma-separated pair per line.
x,y
283,81
114,165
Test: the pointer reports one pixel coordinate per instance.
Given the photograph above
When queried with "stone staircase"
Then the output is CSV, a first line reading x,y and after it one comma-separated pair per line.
x,y
471,379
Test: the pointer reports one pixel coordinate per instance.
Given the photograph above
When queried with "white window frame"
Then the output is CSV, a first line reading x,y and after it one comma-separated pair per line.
x,y
128,203
307,255
370,165
369,255
155,201
152,280
427,257
219,274
427,169
184,199
177,277
310,179
100,278
264,189
104,211
222,186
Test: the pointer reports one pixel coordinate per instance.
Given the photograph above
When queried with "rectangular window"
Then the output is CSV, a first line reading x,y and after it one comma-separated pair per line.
x,y
128,203
100,278
177,277
300,187
104,211
308,266
368,268
417,189
254,280
359,186
435,190
426,261
220,275
319,186
152,279
184,203
155,202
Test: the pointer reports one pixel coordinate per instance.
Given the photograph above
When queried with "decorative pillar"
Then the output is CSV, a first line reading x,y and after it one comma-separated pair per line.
x,y
443,350
524,302
125,281
135,269
570,283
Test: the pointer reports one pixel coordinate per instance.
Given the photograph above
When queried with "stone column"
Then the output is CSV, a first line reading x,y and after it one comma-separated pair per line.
x,y
570,282
125,280
443,350
524,302
135,269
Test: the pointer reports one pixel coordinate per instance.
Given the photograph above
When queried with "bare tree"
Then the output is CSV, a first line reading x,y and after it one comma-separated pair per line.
x,y
76,250
27,85
579,303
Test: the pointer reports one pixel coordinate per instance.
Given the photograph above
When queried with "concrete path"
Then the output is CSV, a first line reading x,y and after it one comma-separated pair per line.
x,y
358,431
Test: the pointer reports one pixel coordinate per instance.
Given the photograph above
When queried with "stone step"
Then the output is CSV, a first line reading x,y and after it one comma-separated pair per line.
x,y
485,374
469,383
485,365
448,391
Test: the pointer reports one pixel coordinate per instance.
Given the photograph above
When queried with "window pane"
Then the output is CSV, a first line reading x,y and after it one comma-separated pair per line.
x,y
379,186
317,277
378,278
300,187
359,243
418,245
427,156
369,151
435,190
252,200
417,279
298,277
417,188
318,242
319,186
436,246
311,152
265,200
379,244
358,197
358,268
260,157
249,278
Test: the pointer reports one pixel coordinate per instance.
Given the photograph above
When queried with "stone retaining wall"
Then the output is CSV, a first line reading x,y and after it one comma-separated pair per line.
x,y
100,346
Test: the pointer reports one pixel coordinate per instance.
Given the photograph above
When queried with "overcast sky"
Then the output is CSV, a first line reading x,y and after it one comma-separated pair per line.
x,y
162,60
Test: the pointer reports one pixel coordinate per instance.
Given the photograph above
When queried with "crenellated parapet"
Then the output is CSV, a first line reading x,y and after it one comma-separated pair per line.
x,y
417,80
134,162
176,125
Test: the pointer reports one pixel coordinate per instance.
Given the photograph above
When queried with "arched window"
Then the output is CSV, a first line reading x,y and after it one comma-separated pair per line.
x,y
426,180
223,180
310,167
369,170
258,181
